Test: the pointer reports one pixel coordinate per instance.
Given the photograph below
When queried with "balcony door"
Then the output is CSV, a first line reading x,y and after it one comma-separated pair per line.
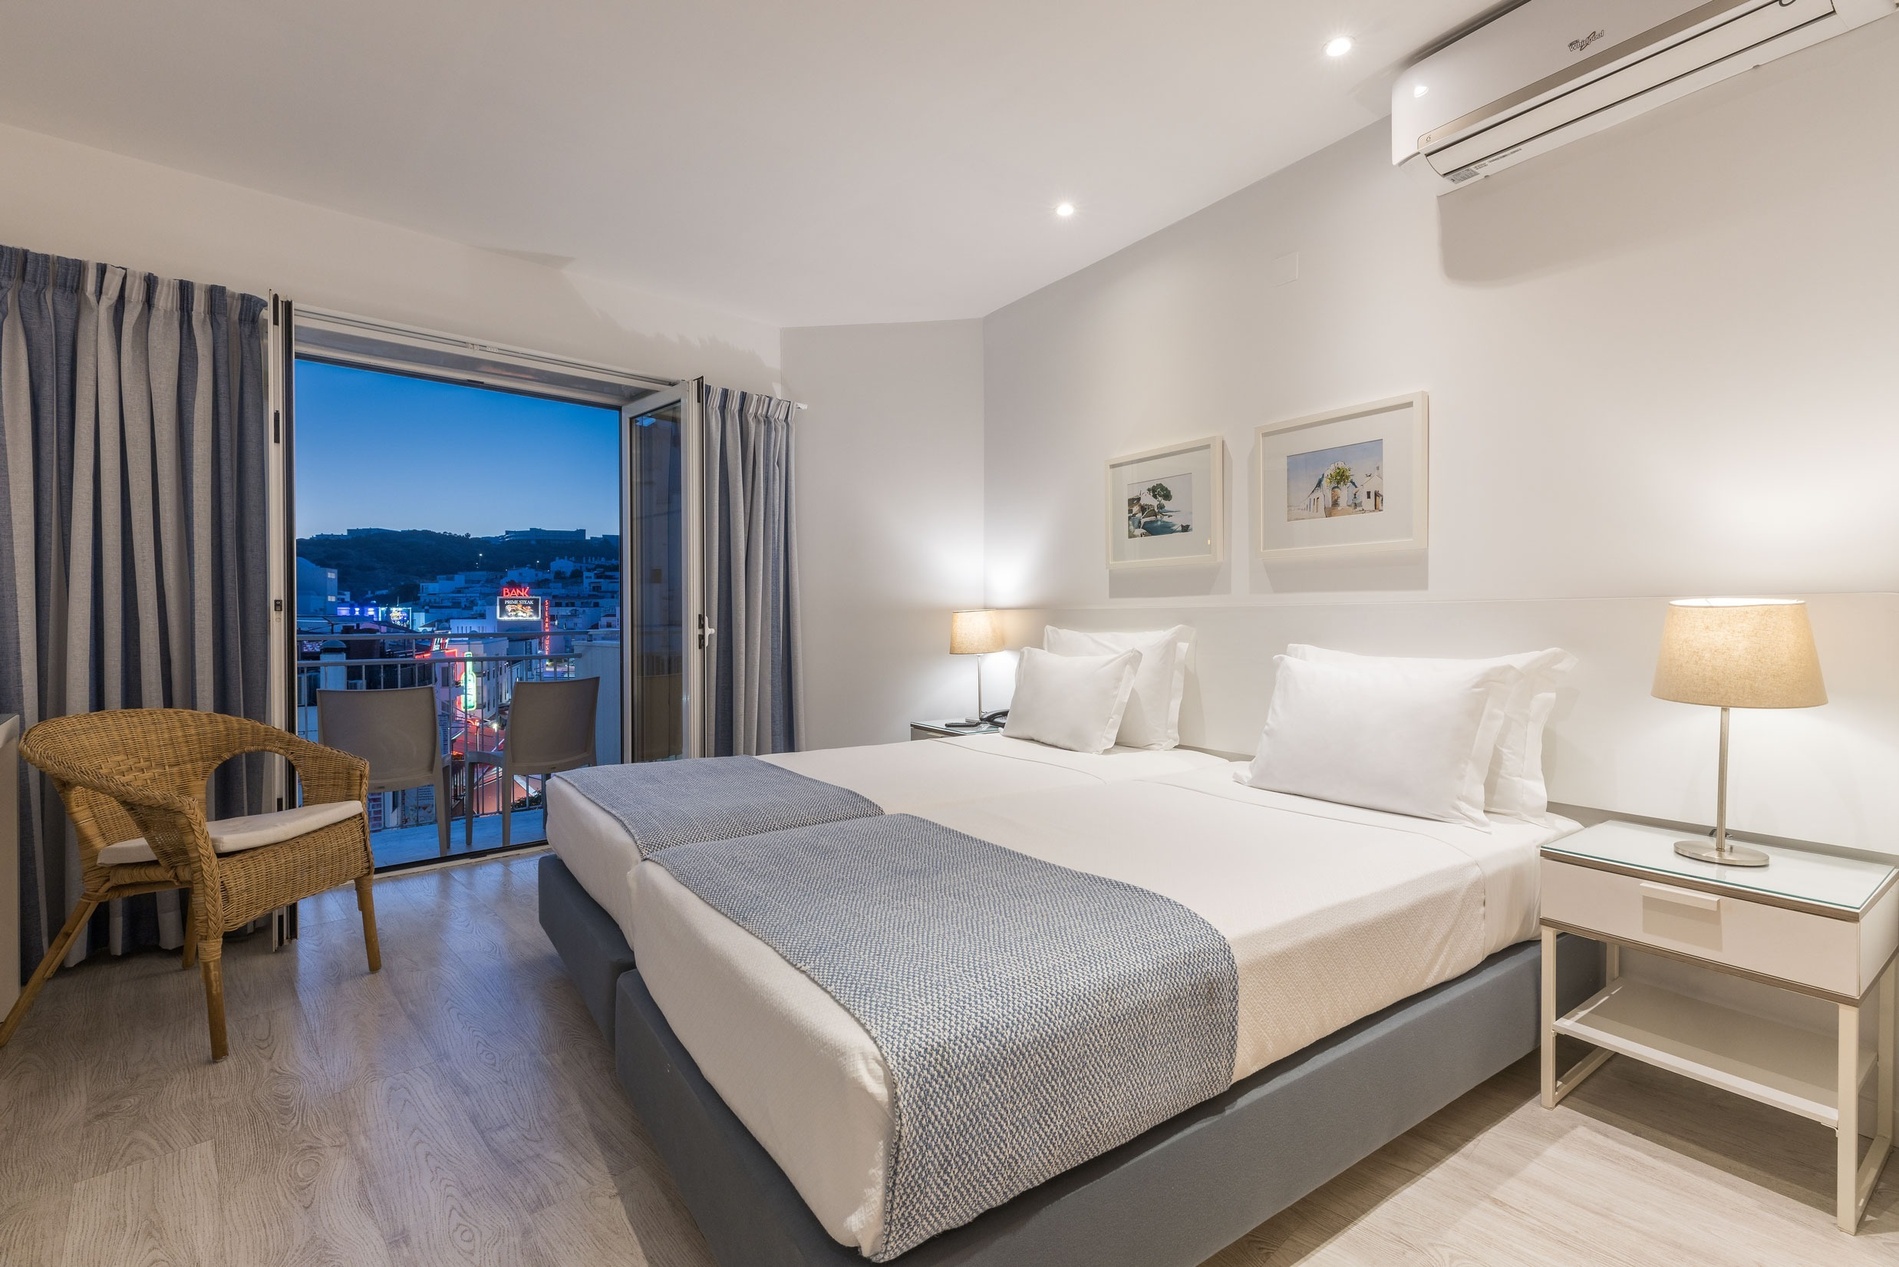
x,y
663,709
461,517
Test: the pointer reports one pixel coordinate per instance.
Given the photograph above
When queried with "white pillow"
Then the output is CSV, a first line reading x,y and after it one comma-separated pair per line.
x,y
1412,737
1072,702
1152,719
1514,786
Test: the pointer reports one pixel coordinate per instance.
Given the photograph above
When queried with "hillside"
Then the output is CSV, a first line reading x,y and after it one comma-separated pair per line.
x,y
389,567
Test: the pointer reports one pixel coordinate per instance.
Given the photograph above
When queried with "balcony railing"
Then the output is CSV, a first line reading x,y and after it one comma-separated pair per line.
x,y
474,686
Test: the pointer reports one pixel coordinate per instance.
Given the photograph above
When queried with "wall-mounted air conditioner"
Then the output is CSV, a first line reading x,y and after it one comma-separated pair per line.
x,y
1553,70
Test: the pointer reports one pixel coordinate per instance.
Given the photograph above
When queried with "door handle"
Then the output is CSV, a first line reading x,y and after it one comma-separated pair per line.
x,y
1680,897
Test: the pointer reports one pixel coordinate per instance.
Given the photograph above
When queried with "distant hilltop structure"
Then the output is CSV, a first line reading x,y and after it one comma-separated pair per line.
x,y
511,536
544,534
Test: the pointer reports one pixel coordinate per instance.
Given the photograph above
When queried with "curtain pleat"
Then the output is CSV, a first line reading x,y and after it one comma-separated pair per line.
x,y
111,505
168,475
756,663
198,472
82,541
240,444
135,382
19,649
134,436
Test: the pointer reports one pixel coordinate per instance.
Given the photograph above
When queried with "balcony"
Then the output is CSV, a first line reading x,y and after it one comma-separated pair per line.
x,y
473,676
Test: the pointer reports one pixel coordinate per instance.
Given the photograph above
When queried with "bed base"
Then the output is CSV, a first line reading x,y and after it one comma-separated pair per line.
x,y
589,943
1172,1197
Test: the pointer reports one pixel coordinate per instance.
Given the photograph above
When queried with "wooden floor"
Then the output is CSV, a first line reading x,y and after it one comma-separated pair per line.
x,y
460,1107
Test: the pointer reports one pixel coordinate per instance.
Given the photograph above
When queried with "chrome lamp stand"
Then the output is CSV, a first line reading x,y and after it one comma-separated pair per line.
x,y
972,723
1719,851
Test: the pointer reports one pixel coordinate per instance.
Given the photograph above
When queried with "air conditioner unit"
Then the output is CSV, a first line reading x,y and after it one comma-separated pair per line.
x,y
1550,71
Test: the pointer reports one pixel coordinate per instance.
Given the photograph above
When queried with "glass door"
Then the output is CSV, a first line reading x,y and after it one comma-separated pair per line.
x,y
666,632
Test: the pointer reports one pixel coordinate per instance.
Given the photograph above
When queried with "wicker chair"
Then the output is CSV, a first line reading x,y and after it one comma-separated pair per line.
x,y
142,772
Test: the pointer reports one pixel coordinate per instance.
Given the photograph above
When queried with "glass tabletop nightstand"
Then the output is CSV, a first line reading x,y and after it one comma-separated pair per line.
x,y
1813,923
943,729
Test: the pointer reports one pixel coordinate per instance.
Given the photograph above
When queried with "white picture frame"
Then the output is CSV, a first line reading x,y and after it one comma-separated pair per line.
x,y
1345,484
1167,506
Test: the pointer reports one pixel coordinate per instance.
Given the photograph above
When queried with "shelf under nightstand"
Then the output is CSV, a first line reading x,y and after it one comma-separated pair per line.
x,y
1778,1064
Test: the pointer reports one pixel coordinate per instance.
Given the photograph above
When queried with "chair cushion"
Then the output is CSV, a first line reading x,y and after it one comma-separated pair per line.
x,y
247,831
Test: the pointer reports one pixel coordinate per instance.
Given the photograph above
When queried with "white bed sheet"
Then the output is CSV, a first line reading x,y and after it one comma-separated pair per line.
x,y
902,778
1332,913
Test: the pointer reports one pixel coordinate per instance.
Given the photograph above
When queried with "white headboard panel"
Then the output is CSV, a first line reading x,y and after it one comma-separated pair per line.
x,y
1826,774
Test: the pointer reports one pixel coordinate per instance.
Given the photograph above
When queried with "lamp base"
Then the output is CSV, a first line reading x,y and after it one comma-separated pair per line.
x,y
1732,856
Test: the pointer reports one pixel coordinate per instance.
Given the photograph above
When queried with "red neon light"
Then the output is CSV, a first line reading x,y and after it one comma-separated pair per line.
x,y
515,589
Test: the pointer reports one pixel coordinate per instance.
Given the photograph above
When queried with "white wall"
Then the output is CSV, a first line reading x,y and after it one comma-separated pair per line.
x,y
890,521
69,199
1661,362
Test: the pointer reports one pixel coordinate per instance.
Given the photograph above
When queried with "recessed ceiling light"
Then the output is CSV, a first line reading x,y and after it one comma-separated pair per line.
x,y
1065,210
1420,90
1339,47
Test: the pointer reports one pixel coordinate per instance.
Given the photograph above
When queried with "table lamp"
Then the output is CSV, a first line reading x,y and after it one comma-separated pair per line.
x,y
1736,653
975,633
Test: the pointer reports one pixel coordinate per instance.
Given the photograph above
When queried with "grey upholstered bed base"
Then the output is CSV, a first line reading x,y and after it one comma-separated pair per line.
x,y
1171,1198
590,944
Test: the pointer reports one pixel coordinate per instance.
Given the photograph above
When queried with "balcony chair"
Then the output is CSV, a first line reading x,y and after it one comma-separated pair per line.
x,y
133,783
396,732
550,729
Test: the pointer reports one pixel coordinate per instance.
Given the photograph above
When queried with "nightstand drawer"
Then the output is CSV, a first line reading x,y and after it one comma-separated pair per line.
x,y
1804,949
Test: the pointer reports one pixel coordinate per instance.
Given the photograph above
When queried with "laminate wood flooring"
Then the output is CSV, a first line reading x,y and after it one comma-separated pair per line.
x,y
460,1108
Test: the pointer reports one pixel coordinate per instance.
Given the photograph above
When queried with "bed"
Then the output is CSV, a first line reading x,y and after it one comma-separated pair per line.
x,y
1332,914
595,851
1114,1022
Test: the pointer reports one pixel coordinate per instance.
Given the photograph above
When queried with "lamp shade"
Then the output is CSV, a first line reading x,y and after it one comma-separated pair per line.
x,y
975,633
1739,653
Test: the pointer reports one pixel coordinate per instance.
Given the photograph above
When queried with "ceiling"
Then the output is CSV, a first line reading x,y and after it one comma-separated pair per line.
x,y
805,162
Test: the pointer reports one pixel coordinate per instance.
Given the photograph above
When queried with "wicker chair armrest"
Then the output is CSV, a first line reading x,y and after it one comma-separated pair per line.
x,y
179,840
327,774
172,824
134,796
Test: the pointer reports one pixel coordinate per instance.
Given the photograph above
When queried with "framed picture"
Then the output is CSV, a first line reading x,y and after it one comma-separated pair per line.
x,y
1344,484
1167,507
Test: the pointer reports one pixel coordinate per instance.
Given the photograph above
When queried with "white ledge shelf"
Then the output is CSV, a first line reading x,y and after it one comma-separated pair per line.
x,y
1778,1064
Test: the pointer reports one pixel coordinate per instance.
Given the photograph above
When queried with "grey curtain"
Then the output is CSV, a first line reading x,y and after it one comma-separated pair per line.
x,y
132,540
756,665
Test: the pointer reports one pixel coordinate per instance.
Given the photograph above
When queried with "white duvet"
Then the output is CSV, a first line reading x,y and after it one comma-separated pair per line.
x,y
902,778
1332,913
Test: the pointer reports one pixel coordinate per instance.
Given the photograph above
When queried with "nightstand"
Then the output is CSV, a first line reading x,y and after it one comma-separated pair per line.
x,y
942,729
1813,923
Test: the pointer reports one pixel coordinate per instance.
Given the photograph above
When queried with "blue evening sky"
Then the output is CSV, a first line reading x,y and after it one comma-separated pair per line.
x,y
388,451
